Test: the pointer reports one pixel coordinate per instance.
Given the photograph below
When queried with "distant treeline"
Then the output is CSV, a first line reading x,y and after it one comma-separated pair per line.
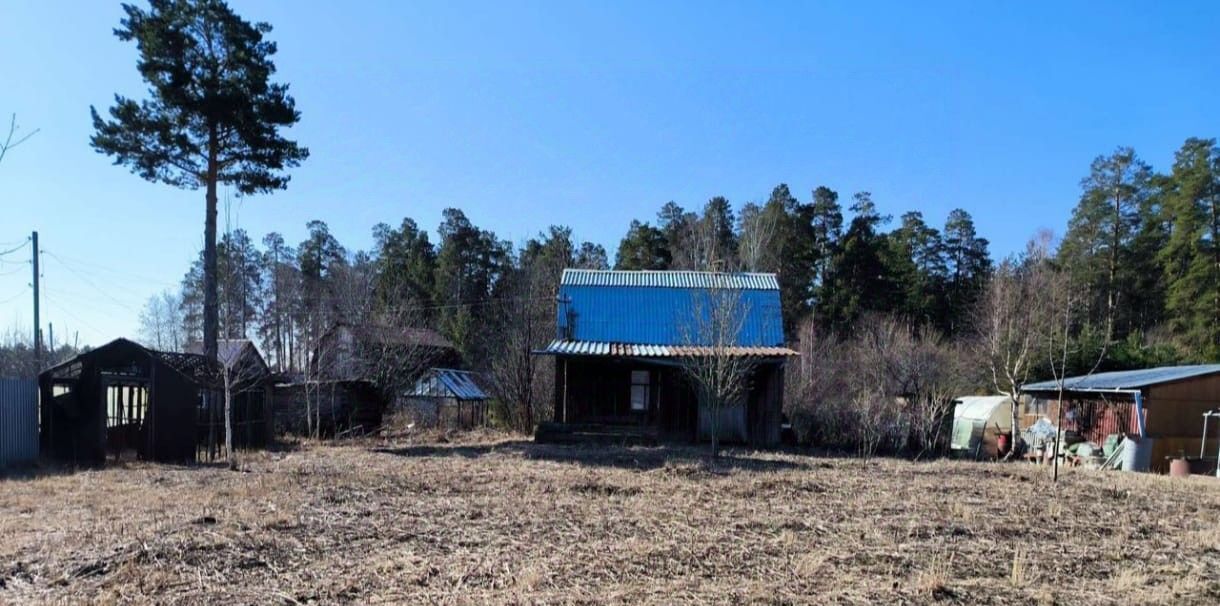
x,y
1142,245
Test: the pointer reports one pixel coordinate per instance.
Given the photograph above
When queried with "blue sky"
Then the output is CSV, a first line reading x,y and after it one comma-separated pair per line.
x,y
591,114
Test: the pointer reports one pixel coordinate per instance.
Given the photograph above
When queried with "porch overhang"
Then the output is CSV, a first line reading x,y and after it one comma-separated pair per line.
x,y
567,347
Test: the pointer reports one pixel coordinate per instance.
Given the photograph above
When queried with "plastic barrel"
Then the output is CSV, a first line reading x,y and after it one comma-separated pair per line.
x,y
1137,453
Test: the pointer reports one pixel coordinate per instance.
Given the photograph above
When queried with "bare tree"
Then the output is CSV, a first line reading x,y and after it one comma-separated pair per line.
x,y
161,322
12,139
1061,342
811,383
917,372
710,354
1012,319
517,375
759,230
890,386
239,374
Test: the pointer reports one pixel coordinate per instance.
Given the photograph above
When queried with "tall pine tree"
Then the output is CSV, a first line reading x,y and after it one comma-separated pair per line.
x,y
1191,256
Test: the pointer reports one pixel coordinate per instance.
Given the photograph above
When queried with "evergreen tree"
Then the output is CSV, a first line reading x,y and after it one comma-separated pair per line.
x,y
794,257
644,247
967,266
859,280
469,263
240,279
827,220
915,261
317,258
406,266
1097,249
280,284
1191,256
240,272
715,230
213,115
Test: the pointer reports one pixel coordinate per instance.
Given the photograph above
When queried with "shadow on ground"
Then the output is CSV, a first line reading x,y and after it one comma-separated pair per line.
x,y
621,457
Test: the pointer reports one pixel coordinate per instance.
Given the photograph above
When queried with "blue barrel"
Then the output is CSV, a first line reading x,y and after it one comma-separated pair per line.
x,y
1137,453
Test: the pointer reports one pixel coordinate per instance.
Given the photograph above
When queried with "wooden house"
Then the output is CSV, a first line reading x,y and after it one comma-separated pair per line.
x,y
627,341
355,373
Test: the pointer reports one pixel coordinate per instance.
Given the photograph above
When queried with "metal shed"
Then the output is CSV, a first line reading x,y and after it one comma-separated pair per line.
x,y
1162,405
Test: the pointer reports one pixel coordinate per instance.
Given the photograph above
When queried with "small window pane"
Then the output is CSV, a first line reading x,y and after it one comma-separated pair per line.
x,y
639,397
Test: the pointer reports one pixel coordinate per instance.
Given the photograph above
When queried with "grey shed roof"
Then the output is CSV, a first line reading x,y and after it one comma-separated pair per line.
x,y
1127,379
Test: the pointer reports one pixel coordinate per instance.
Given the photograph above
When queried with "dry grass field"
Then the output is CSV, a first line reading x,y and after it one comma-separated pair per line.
x,y
507,521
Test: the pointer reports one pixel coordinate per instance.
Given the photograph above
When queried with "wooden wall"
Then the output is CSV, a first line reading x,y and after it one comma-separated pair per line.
x,y
598,390
1175,417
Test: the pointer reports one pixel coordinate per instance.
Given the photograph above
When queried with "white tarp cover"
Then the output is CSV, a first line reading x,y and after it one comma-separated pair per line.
x,y
973,414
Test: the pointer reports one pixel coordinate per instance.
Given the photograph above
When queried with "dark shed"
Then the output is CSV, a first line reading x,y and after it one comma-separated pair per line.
x,y
123,398
247,378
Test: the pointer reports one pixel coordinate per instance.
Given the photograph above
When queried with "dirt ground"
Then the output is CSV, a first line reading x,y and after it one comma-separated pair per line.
x,y
508,521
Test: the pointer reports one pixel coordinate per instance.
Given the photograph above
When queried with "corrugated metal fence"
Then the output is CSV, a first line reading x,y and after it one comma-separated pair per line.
x,y
18,421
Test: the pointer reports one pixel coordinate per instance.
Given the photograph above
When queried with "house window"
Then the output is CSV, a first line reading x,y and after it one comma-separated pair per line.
x,y
639,390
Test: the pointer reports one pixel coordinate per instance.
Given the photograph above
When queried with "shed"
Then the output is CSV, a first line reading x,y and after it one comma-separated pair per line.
x,y
123,398
447,397
977,420
625,340
1164,404
331,407
247,377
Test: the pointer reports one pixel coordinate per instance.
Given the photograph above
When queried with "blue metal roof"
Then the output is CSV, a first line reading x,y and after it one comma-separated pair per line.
x,y
660,308
1127,379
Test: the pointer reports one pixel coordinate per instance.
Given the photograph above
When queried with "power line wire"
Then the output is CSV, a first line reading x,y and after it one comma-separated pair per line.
x,y
86,280
14,249
19,294
65,310
68,294
117,272
112,270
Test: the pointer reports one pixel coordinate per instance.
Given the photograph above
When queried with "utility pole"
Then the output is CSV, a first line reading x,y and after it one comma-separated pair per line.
x,y
37,325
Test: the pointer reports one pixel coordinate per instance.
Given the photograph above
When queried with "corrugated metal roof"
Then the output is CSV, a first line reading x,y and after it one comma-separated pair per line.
x,y
460,383
664,308
635,350
1127,379
669,279
447,382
